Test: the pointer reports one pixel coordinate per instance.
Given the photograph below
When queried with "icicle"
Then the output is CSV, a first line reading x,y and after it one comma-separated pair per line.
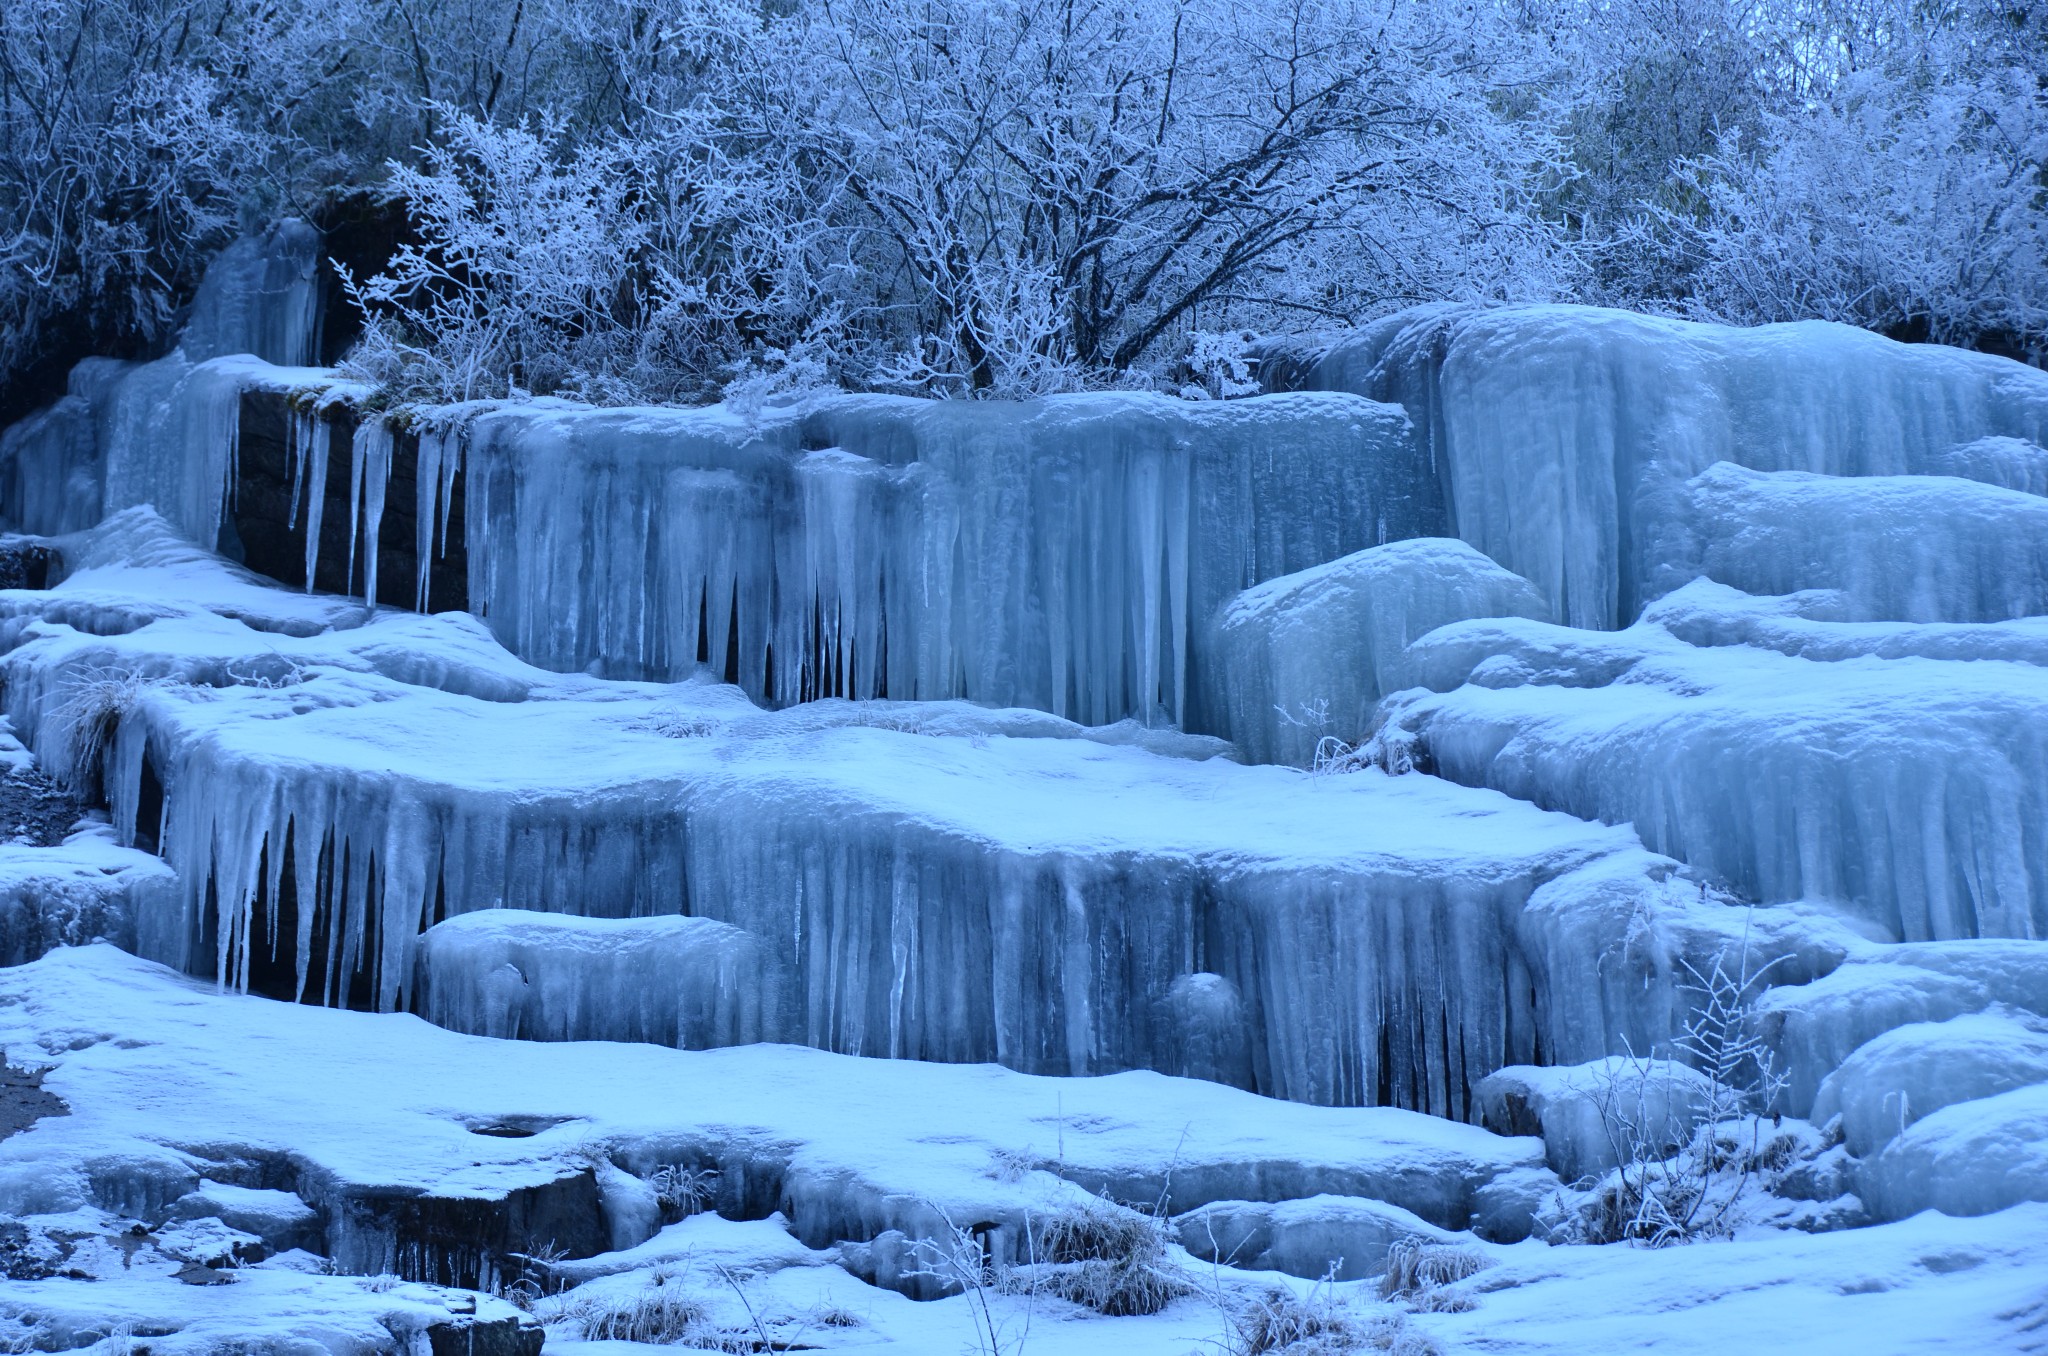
x,y
370,460
320,439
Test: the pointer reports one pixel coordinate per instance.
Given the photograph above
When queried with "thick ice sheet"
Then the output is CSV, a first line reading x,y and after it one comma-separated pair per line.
x,y
1061,554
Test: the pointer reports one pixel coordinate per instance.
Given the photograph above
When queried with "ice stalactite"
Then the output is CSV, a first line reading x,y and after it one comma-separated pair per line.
x,y
1058,554
439,463
369,474
311,438
1557,429
1307,656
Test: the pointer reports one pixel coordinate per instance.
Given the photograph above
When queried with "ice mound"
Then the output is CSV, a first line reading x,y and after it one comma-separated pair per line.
x,y
1815,1027
1574,1107
687,982
1308,655
1781,777
2012,463
1969,1158
1560,431
1345,1239
1912,1071
1897,548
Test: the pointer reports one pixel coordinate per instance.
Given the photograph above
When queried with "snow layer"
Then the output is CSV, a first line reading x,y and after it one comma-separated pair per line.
x,y
1563,433
1898,548
355,1107
1306,656
1783,777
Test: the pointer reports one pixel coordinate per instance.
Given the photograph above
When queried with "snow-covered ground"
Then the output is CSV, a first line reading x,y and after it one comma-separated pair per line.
x,y
825,1171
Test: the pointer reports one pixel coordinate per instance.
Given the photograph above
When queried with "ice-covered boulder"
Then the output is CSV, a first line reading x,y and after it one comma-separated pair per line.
x,y
1969,1158
1340,1237
1897,548
1589,1115
1912,1071
513,973
1814,1028
1307,655
1562,431
1781,777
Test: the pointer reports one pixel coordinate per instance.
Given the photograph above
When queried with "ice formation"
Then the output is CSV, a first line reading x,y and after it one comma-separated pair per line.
x,y
1912,1071
1898,548
1780,776
935,882
1563,434
260,297
687,982
1306,656
1059,554
1670,648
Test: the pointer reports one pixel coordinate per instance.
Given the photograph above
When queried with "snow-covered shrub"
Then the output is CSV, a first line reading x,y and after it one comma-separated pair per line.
x,y
1419,1271
1107,1258
1911,205
1690,1159
524,275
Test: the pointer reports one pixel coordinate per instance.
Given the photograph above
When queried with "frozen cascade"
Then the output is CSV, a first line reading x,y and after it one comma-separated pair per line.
x,y
163,433
1058,554
260,296
1785,778
1898,548
931,881
51,467
686,982
1307,656
1560,432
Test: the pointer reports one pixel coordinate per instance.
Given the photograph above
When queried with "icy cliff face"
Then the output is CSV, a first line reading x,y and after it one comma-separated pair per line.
x,y
936,882
1562,433
1060,554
